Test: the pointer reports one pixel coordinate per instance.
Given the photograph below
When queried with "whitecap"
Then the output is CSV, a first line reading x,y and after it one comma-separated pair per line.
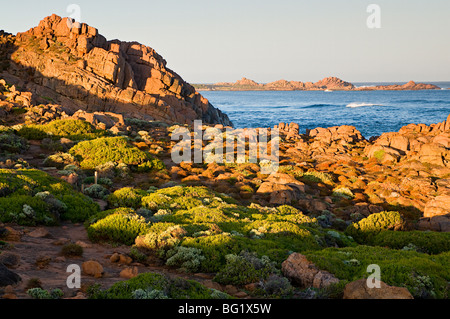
x,y
359,104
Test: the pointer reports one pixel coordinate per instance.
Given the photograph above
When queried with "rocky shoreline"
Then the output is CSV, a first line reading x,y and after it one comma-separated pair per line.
x,y
88,181
327,84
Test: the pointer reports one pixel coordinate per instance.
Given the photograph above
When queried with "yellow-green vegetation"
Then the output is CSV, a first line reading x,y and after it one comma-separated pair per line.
x,y
343,192
12,143
213,223
423,275
72,129
30,197
156,286
245,268
120,227
126,197
317,177
112,149
367,228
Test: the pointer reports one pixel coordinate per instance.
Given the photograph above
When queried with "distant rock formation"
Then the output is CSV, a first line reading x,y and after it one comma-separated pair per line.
x,y
326,84
71,64
411,85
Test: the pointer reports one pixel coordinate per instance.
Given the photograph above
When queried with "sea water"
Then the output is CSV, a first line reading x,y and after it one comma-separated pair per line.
x,y
371,112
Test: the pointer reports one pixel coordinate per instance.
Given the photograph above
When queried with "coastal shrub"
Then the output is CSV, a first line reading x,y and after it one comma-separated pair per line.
x,y
108,149
101,180
366,228
126,197
120,228
69,128
185,258
245,268
343,192
12,143
173,288
149,294
423,241
79,207
72,250
153,164
399,267
274,286
156,201
317,177
161,236
48,197
59,160
96,191
25,210
379,155
39,293
32,132
102,214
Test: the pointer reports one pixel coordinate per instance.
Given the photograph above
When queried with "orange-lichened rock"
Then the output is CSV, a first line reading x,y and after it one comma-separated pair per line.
x,y
75,66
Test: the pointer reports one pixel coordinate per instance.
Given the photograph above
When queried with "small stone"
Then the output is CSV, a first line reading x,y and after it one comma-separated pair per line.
x,y
9,259
231,290
60,259
92,268
123,259
114,258
83,244
39,233
129,273
241,294
61,242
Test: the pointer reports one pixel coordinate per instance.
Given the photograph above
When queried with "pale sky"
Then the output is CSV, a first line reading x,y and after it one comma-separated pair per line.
x,y
207,41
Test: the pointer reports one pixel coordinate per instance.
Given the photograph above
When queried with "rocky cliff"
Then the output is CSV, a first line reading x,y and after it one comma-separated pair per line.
x,y
71,64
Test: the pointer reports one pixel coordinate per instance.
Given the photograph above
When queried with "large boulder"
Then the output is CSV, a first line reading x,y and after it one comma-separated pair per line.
x,y
92,268
7,277
343,134
281,189
359,290
305,274
93,74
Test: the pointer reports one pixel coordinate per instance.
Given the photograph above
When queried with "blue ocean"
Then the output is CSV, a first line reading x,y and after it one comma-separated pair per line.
x,y
371,112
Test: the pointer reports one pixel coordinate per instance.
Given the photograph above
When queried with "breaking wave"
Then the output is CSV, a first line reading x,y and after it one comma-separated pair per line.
x,y
358,104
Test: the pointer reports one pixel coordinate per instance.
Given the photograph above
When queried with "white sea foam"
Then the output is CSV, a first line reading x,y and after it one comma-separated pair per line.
x,y
359,104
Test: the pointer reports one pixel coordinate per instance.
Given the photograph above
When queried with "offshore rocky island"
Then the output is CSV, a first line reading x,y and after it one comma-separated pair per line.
x,y
87,179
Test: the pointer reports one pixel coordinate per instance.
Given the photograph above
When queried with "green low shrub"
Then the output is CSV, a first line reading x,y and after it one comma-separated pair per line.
x,y
424,241
245,268
126,197
59,160
12,143
108,149
120,228
39,293
49,198
399,268
173,288
185,258
96,191
366,228
73,129
72,250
